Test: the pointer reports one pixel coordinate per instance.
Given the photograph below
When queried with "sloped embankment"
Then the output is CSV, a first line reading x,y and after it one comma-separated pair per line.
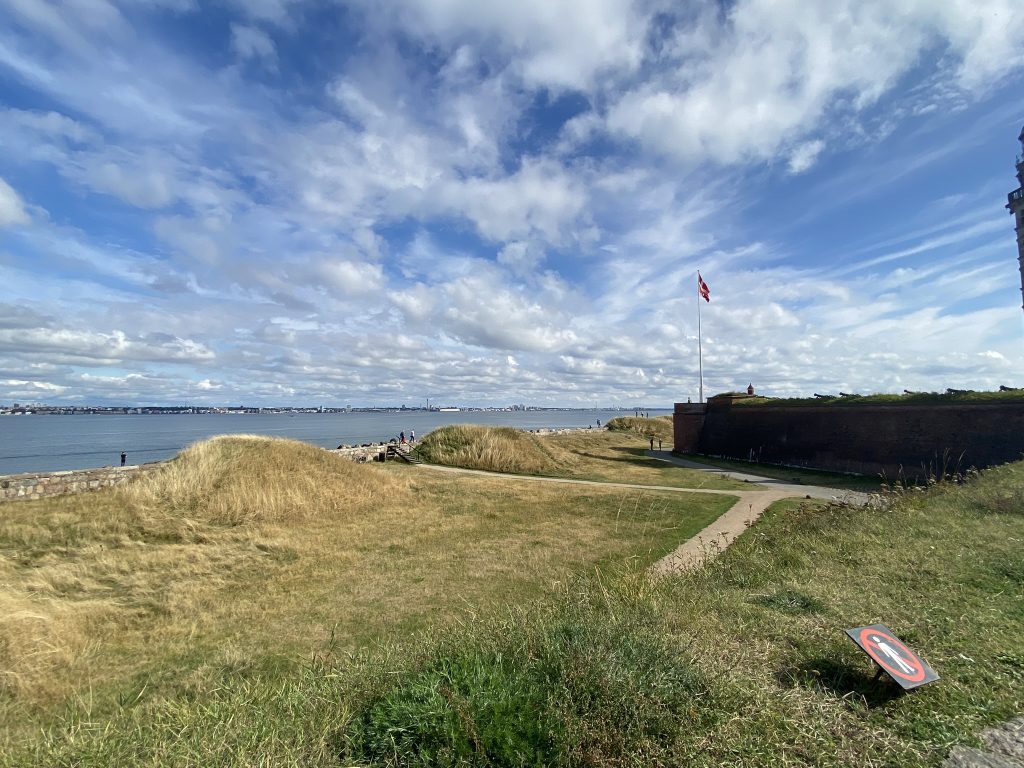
x,y
235,479
659,427
494,449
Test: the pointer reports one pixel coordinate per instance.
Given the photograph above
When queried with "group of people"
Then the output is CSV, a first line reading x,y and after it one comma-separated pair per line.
x,y
412,437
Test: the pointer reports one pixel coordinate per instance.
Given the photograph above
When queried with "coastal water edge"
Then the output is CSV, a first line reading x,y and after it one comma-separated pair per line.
x,y
50,443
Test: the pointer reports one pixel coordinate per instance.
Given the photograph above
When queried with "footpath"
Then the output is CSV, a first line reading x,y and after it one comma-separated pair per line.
x,y
713,539
707,544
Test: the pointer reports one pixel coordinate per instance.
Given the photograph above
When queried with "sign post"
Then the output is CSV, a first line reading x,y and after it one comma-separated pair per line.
x,y
892,656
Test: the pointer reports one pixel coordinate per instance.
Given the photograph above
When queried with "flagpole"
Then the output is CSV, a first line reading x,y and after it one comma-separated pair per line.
x,y
700,351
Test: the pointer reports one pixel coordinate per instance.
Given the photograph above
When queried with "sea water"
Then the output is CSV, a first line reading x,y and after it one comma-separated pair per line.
x,y
45,443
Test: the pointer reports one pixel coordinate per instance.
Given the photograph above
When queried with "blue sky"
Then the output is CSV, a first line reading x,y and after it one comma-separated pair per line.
x,y
306,202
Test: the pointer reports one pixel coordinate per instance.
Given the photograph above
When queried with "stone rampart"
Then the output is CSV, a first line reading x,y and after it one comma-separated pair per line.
x,y
37,485
912,441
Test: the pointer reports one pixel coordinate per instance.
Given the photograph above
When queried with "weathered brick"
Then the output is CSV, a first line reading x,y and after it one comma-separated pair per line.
x,y
912,440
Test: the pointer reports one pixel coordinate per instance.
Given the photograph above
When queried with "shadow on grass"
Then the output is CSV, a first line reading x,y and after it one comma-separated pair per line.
x,y
635,456
841,679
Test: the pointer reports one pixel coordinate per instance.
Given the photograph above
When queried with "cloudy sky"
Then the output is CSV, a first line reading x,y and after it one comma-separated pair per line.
x,y
306,202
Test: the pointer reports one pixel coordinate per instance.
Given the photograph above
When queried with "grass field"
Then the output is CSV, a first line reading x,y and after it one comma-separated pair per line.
x,y
742,663
610,456
800,475
247,556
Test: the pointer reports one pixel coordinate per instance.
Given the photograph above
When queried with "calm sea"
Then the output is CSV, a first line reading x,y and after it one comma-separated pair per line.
x,y
46,443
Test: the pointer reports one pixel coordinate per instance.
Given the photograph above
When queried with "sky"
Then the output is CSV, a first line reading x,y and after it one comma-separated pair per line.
x,y
306,202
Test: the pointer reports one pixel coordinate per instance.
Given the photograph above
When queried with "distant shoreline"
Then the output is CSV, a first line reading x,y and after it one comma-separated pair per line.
x,y
126,410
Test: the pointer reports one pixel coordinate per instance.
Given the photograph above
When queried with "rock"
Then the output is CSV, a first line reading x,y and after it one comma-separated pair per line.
x,y
1006,739
968,757
1004,749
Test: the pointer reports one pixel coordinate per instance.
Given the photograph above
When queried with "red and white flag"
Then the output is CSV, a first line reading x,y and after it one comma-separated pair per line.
x,y
702,288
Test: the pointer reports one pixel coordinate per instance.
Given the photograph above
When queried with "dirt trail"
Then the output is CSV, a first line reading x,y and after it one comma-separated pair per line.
x,y
709,542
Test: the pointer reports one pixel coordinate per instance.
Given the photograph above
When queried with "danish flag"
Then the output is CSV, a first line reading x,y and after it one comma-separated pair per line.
x,y
702,288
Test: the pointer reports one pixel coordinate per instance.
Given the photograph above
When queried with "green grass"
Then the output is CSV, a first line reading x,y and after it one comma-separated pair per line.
x,y
743,663
916,398
798,475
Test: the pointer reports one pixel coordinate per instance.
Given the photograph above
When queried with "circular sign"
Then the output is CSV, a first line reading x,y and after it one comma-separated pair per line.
x,y
892,655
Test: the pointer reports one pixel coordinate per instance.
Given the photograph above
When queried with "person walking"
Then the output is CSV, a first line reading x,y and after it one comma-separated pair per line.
x,y
401,437
412,435
652,443
659,443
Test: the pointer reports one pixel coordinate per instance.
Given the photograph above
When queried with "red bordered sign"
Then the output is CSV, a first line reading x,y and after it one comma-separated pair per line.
x,y
892,655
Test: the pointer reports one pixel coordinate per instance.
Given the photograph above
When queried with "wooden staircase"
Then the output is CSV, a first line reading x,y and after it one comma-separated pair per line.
x,y
400,451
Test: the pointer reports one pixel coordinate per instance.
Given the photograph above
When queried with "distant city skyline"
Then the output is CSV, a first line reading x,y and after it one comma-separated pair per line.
x,y
8,408
310,201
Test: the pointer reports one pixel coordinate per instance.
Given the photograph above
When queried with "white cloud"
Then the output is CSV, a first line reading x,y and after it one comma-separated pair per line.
x,y
12,207
522,258
541,199
352,278
805,155
773,72
97,349
145,188
552,43
253,43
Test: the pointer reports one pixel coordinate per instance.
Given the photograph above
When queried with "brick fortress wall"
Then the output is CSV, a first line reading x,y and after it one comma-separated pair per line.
x,y
918,440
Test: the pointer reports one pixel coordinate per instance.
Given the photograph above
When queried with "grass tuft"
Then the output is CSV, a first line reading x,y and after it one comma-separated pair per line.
x,y
585,683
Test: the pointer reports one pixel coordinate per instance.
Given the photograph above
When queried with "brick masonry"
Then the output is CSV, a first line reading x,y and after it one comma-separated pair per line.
x,y
914,441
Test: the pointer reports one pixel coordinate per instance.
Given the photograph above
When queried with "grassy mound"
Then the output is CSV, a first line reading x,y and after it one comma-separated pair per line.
x,y
80,570
236,479
660,427
495,449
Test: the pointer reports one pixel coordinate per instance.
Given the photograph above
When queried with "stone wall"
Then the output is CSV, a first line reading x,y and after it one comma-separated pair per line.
x,y
36,485
914,441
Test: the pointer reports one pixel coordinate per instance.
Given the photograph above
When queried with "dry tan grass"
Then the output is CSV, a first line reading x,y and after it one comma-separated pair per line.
x,y
218,481
495,449
659,427
245,549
